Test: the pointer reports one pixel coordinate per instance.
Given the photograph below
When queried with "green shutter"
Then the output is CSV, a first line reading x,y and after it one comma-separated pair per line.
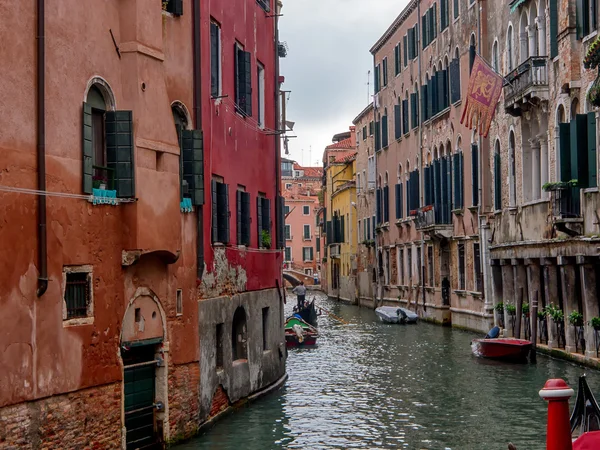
x,y
386,204
579,150
238,207
591,141
88,150
397,122
246,219
193,164
223,212
384,131
564,130
259,219
266,215
582,18
119,151
475,173
497,182
405,42
248,80
553,28
377,136
435,21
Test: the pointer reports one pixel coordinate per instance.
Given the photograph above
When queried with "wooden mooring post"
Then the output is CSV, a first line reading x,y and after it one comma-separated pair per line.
x,y
534,326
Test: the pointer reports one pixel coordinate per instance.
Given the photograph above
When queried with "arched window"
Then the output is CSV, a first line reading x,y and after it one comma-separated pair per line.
x,y
512,169
455,92
495,56
524,47
509,49
497,177
472,50
95,99
239,335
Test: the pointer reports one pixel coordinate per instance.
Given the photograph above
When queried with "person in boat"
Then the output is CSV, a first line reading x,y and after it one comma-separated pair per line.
x,y
300,291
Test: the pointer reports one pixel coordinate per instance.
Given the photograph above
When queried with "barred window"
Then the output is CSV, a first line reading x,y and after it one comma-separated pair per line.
x,y
78,293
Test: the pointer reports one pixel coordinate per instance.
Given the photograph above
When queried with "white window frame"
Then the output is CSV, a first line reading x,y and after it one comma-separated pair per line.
x,y
288,226
285,253
304,238
306,206
304,259
89,319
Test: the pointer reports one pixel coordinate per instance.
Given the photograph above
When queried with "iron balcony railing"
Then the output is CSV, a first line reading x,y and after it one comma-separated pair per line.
x,y
429,216
566,203
531,73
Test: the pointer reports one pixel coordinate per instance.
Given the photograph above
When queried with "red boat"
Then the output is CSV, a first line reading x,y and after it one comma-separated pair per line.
x,y
499,348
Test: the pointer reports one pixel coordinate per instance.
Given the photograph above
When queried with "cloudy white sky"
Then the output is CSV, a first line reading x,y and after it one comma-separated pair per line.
x,y
327,64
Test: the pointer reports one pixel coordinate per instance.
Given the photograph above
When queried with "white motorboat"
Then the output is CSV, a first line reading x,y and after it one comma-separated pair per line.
x,y
395,314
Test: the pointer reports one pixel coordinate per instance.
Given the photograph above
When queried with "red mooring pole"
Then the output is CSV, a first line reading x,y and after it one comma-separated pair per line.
x,y
558,431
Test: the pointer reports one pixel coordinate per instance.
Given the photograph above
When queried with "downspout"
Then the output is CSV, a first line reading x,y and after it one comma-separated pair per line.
x,y
198,126
421,177
377,276
41,152
278,128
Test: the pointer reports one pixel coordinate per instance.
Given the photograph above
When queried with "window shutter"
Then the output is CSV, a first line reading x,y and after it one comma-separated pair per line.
x,y
440,90
412,112
497,182
405,116
88,150
424,28
582,18
401,199
376,78
342,237
280,222
397,59
377,136
456,9
238,207
193,164
461,174
266,215
311,254
424,116
223,212
416,190
475,174
565,151
259,219
442,15
405,43
455,80
446,89
378,205
434,26
385,72
553,28
449,189
591,140
245,197
384,131
398,204
411,43
471,57
386,204
214,211
430,112
214,59
416,40
119,151
397,123
175,7
248,81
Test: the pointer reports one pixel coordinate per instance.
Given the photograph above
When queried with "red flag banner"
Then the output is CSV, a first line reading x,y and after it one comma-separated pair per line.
x,y
485,87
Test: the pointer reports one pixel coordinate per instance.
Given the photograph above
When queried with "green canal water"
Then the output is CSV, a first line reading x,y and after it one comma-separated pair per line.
x,y
373,386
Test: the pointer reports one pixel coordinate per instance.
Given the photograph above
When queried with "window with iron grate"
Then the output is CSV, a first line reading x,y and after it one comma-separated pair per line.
x,y
78,294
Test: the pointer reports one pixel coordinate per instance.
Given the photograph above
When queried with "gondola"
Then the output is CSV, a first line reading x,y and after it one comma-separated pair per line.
x,y
298,333
308,313
586,413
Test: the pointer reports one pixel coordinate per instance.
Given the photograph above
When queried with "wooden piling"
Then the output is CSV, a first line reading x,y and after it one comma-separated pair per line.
x,y
534,324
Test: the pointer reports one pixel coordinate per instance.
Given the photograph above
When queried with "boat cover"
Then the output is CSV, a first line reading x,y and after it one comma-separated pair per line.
x,y
588,441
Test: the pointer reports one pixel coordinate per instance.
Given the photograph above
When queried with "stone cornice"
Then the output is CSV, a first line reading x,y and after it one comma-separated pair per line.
x,y
395,25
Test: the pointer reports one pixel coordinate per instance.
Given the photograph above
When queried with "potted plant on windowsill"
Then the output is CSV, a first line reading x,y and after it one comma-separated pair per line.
x,y
265,239
99,182
559,185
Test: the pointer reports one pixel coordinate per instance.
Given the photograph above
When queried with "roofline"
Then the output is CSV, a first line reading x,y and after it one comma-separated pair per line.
x,y
363,113
408,9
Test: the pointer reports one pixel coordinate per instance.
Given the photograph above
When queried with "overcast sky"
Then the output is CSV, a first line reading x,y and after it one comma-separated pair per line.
x,y
327,64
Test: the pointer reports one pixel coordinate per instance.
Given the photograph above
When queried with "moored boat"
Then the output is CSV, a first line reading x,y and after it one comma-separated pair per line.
x,y
586,413
299,333
394,314
500,348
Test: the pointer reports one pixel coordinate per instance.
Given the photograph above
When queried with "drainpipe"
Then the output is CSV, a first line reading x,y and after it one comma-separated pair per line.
x,y
41,152
278,127
377,277
198,126
421,177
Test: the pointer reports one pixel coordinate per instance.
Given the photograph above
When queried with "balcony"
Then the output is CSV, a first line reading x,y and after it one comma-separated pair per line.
x,y
526,86
434,221
334,250
566,210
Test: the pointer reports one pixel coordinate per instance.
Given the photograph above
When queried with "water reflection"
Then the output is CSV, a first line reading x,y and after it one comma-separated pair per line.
x,y
372,385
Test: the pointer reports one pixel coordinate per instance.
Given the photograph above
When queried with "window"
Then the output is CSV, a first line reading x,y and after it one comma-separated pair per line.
x,y
243,81
457,169
512,179
243,217
364,133
509,49
430,265
307,254
401,266
219,345
455,77
472,51
495,57
497,177
288,254
409,265
306,210
263,212
461,267
358,184
260,76
220,212
419,265
179,302
286,209
371,168
444,15
215,59
265,328
175,7
288,185
475,173
385,72
397,60
306,233
586,17
288,232
78,292
477,267
107,145
456,9
239,347
377,78
308,272
265,4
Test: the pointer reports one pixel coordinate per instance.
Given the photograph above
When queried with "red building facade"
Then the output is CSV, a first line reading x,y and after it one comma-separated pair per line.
x,y
116,279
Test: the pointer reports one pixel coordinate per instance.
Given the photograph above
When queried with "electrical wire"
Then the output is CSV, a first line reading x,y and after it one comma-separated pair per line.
x,y
247,249
89,198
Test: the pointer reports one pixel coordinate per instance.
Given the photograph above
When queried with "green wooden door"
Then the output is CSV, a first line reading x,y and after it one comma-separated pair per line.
x,y
139,405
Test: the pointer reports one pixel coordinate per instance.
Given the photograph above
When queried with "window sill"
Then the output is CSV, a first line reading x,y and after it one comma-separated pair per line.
x,y
401,222
458,211
456,19
457,103
589,37
536,202
440,114
460,292
475,294
473,208
80,321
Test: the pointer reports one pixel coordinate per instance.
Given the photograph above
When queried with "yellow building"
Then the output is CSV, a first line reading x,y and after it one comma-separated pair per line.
x,y
340,219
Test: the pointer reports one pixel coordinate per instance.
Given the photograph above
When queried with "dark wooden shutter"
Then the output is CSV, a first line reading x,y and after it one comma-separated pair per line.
x,y
385,71
397,59
456,11
119,151
384,132
280,222
434,94
214,211
416,40
448,178
238,207
214,59
377,136
430,112
424,28
397,201
461,179
397,122
413,122
444,209
193,164
553,28
246,219
446,88
405,44
378,210
434,22
87,150
259,219
471,57
565,151
386,204
243,82
440,90
248,81
582,18
455,80
376,78
266,215
416,191
342,234
411,43
175,7
405,116
424,116
223,213
592,164
497,182
475,173
443,8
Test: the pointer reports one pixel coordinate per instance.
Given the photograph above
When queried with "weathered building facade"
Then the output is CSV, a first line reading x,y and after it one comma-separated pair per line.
x,y
131,313
428,196
543,161
366,271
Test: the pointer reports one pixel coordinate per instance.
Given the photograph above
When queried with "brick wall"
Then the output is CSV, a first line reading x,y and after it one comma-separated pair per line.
x,y
220,401
184,382
90,418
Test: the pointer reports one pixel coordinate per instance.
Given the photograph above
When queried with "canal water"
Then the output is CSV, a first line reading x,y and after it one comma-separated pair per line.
x,y
372,385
